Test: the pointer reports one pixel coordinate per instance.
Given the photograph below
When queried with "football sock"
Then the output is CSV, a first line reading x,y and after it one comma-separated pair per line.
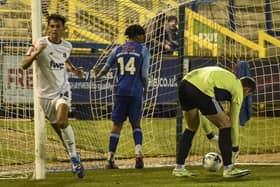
x,y
228,167
111,156
138,150
225,145
235,148
69,139
180,166
184,146
113,142
137,136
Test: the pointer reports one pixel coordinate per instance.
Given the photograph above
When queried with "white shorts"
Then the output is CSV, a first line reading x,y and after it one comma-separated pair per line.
x,y
49,106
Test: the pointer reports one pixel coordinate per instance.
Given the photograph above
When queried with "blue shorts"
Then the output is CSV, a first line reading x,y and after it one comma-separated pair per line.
x,y
127,106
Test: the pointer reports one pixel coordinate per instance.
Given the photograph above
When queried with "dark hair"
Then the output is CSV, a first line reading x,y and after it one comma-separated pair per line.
x,y
248,82
134,30
56,17
171,18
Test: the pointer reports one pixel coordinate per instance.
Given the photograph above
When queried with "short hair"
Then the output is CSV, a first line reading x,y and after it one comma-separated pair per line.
x,y
248,82
134,30
172,18
56,17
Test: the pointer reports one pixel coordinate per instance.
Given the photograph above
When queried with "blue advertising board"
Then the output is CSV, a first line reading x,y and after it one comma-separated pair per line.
x,y
164,81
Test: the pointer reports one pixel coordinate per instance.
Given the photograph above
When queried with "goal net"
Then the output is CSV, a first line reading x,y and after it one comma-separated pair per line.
x,y
94,28
243,37
216,33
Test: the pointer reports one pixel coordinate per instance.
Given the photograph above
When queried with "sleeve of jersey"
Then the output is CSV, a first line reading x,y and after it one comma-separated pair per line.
x,y
234,118
145,66
111,58
70,49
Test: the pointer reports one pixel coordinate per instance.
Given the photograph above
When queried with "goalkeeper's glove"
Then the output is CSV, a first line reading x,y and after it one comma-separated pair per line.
x,y
235,154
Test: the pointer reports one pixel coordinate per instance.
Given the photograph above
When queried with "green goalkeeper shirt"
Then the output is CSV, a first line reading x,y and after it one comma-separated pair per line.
x,y
208,78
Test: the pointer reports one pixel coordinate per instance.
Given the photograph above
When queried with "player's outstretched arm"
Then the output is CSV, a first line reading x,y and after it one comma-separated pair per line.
x,y
97,73
205,124
76,71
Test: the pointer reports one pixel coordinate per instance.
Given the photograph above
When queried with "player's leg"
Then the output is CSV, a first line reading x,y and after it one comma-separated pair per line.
x,y
66,129
62,106
134,114
49,111
192,119
118,117
59,133
191,115
222,121
113,143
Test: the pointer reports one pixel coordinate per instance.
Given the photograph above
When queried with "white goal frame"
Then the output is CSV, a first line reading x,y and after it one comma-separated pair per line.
x,y
39,117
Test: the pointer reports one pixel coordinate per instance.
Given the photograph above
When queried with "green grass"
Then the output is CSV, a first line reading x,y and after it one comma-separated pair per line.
x,y
259,136
262,176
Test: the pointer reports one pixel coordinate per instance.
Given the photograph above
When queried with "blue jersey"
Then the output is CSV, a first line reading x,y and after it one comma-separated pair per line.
x,y
132,61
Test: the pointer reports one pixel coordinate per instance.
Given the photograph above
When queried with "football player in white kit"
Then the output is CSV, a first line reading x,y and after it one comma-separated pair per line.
x,y
52,64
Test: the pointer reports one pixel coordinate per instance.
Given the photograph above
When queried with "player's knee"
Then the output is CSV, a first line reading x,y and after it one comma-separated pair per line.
x,y
61,123
192,128
193,124
117,127
222,126
220,120
135,125
225,122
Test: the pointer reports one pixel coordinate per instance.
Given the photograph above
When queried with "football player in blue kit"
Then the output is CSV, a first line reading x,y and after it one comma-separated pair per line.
x,y
132,60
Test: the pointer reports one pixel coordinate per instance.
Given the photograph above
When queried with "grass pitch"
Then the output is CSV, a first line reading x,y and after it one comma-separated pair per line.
x,y
262,176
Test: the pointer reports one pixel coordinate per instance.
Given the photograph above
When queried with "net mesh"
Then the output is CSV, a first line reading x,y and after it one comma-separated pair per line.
x,y
216,33
231,34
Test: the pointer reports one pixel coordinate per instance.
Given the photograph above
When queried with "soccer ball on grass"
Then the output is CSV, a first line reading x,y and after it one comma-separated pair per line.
x,y
212,161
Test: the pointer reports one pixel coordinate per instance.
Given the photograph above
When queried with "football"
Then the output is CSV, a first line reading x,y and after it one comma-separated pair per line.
x,y
212,161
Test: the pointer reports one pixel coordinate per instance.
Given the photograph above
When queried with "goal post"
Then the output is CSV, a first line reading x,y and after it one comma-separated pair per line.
x,y
21,120
181,62
39,117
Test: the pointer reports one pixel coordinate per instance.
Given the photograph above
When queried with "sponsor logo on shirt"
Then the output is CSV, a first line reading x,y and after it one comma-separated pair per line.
x,y
56,66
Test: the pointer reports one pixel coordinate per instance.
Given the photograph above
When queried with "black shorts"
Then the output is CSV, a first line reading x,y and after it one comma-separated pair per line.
x,y
191,97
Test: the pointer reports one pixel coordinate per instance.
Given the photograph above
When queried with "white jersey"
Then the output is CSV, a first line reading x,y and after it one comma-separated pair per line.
x,y
51,74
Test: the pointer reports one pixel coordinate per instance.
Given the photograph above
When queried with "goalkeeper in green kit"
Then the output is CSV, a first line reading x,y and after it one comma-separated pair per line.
x,y
200,90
